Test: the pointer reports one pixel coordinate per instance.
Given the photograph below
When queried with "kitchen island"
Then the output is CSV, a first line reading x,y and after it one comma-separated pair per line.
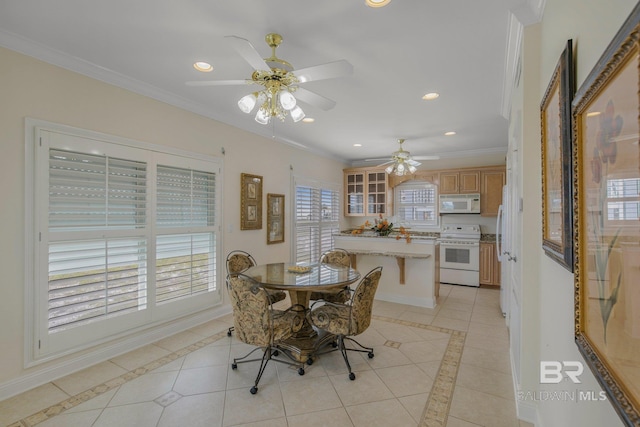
x,y
410,272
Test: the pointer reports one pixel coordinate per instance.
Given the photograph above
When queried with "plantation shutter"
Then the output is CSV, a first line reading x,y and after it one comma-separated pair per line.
x,y
316,220
185,260
94,272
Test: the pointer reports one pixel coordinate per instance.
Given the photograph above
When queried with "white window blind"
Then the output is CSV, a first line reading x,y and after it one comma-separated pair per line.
x,y
125,236
92,279
184,262
316,220
415,204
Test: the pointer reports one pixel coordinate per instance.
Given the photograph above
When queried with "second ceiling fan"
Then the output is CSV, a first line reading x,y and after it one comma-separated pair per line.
x,y
280,83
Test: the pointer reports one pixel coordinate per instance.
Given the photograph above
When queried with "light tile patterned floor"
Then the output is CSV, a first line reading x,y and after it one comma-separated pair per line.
x,y
432,367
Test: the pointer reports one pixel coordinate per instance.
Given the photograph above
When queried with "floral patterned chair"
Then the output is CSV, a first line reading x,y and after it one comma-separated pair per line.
x,y
339,257
257,323
349,319
239,261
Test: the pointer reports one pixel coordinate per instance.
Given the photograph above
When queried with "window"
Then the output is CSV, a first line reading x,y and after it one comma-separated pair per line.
x,y
316,219
415,204
124,237
623,200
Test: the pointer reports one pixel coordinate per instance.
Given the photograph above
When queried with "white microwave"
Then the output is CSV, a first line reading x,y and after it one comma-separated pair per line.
x,y
460,203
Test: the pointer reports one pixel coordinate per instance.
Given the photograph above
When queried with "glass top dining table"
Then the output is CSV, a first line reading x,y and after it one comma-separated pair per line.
x,y
304,345
312,278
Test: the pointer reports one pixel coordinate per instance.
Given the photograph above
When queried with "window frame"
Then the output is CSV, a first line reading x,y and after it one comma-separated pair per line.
x,y
38,345
416,225
332,226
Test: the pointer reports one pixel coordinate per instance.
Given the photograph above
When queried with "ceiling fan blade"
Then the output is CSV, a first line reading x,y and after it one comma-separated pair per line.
x,y
248,52
425,157
412,162
314,99
219,82
378,160
385,163
329,70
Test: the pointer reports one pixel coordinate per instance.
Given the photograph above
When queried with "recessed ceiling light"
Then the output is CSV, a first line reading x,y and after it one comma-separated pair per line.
x,y
450,133
377,3
205,67
308,120
593,114
357,145
430,96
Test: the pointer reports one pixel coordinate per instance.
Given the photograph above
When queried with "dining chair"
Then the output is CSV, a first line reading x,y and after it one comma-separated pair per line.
x,y
257,323
348,319
239,261
342,258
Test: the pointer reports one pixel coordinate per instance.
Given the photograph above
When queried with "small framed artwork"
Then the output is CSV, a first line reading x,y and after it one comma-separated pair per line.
x,y
606,159
275,218
250,202
557,183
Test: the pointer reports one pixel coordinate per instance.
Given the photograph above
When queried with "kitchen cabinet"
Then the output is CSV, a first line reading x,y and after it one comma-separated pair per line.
x,y
365,192
491,191
459,182
489,265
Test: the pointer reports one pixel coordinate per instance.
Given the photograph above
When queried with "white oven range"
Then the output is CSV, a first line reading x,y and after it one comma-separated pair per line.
x,y
460,254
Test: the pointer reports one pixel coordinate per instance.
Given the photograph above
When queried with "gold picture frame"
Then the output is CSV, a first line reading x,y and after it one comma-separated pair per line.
x,y
557,183
606,160
250,202
275,218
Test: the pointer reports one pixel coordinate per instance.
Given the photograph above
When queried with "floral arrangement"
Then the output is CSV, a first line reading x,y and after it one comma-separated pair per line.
x,y
383,227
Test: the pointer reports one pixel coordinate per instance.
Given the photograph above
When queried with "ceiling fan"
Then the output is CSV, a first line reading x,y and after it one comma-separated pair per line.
x,y
403,162
280,83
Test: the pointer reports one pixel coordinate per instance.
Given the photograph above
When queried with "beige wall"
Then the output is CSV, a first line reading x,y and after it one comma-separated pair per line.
x,y
592,26
30,88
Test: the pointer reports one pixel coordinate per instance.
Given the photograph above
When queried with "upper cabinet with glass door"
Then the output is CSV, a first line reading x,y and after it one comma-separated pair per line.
x,y
365,192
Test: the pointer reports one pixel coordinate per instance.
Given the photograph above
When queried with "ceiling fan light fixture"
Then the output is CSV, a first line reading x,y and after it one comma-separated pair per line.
x,y
262,117
247,103
412,169
389,170
287,100
297,114
377,3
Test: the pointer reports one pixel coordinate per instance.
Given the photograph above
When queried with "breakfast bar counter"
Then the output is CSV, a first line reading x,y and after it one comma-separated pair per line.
x,y
411,270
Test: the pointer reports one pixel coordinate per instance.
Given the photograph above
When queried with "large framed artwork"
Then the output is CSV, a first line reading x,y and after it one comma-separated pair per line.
x,y
250,202
557,183
275,218
607,220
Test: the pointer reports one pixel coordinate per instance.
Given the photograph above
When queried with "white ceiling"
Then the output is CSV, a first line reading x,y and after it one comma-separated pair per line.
x,y
462,49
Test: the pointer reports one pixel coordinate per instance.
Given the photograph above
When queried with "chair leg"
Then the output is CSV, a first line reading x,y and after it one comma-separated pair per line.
x,y
343,351
230,330
266,356
362,349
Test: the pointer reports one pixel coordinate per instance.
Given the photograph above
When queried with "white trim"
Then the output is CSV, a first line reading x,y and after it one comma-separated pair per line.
x,y
512,63
32,355
525,411
408,300
68,366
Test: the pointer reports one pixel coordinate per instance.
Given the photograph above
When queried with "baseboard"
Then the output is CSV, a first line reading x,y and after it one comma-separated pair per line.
x,y
408,300
73,364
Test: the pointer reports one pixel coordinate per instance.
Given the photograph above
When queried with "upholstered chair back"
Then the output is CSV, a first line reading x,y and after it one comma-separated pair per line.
x,y
336,256
353,317
239,261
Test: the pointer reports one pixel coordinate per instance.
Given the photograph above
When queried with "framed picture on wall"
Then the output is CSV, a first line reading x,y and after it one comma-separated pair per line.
x,y
606,159
250,202
275,218
557,182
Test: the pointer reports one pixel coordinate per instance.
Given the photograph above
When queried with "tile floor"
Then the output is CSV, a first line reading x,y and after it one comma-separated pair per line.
x,y
432,367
